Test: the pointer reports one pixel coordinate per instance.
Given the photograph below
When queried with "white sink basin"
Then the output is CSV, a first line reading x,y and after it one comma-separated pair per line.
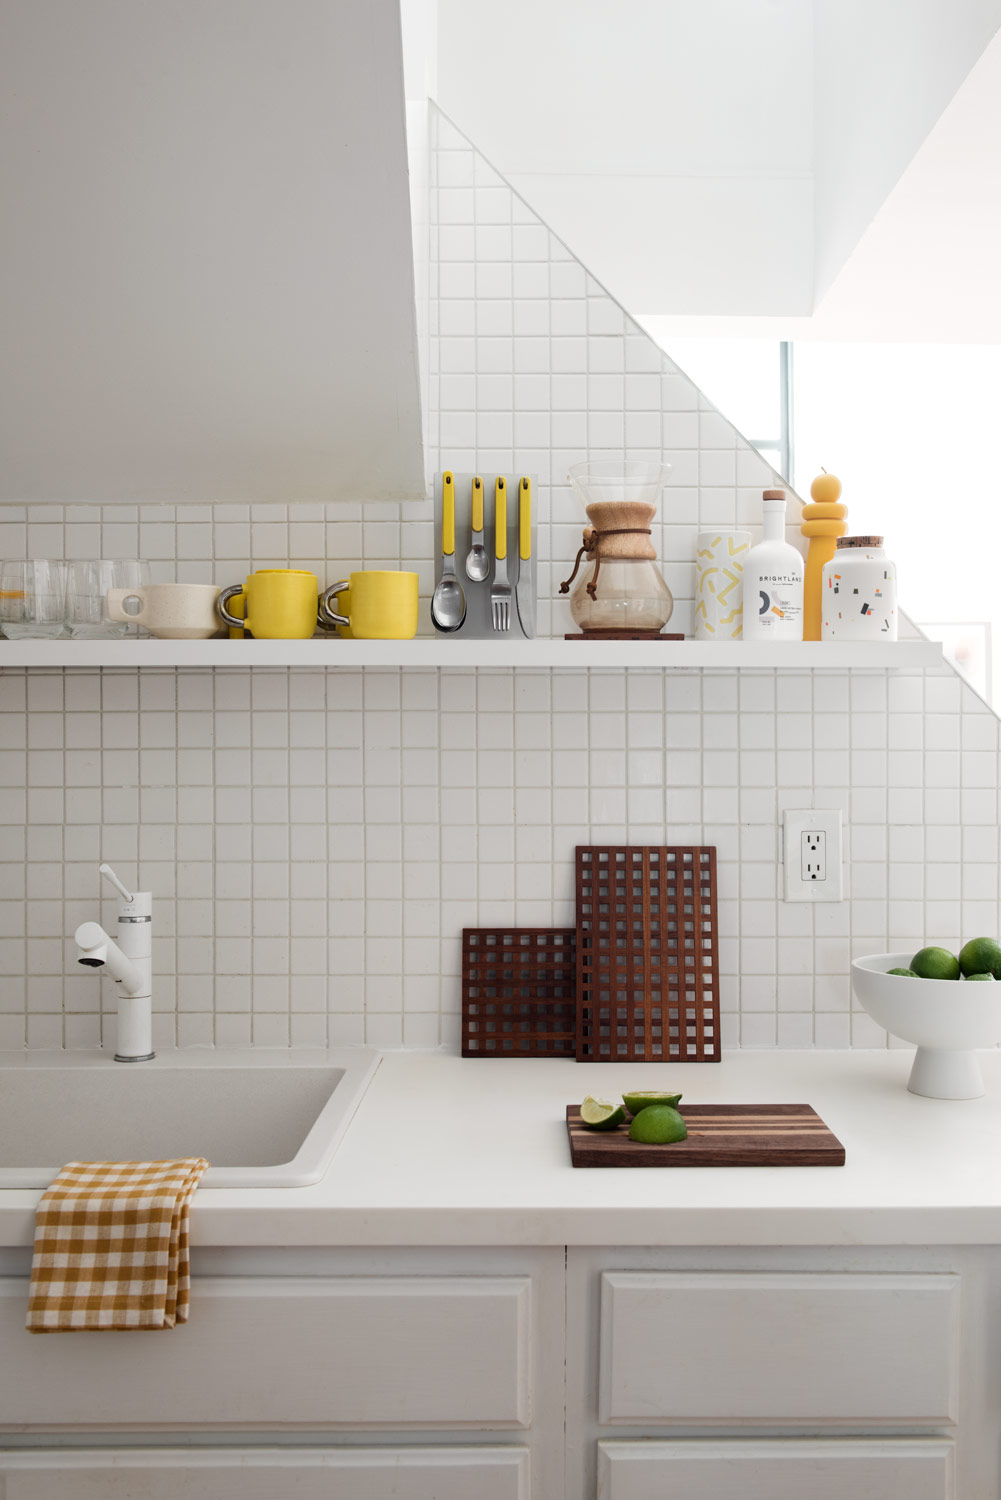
x,y
262,1119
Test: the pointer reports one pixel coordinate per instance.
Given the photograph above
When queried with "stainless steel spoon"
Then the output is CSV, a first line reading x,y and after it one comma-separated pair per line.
x,y
448,602
477,559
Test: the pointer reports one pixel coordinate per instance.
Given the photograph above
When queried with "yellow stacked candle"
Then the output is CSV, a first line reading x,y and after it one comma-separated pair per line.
x,y
823,523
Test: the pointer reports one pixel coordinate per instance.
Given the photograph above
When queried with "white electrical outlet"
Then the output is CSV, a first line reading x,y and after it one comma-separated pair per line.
x,y
813,855
812,852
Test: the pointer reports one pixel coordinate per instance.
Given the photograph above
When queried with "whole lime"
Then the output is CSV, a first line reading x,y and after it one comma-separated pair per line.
x,y
909,972
658,1125
981,956
989,977
935,963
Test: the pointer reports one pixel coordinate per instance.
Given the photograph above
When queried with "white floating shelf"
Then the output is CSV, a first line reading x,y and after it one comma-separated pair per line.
x,y
434,652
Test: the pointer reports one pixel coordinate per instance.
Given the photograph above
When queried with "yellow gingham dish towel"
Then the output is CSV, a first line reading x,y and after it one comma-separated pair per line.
x,y
111,1246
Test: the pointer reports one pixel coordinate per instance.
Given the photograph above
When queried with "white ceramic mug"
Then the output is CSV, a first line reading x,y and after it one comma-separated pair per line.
x,y
172,611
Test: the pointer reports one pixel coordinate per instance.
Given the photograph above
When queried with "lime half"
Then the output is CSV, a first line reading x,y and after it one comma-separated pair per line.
x,y
643,1098
601,1114
658,1125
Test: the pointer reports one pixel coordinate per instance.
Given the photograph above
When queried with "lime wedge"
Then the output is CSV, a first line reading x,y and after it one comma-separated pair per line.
x,y
643,1098
600,1114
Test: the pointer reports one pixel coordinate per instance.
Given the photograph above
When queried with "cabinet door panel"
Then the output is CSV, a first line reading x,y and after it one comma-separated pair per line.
x,y
264,1474
824,1469
381,1351
778,1347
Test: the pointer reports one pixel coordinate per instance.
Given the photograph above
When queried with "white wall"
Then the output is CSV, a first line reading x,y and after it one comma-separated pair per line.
x,y
317,840
206,280
910,429
668,143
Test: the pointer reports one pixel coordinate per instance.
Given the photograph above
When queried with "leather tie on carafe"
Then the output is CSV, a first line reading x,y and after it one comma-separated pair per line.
x,y
592,538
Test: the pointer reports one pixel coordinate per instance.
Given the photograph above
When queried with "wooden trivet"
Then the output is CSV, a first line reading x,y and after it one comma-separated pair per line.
x,y
647,954
719,1135
624,635
519,991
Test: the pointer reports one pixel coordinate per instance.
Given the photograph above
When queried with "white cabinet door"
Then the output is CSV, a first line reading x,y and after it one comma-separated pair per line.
x,y
268,1474
390,1351
790,1469
855,1349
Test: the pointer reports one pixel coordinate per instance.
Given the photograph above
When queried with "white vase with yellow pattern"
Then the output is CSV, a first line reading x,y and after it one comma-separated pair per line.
x,y
719,584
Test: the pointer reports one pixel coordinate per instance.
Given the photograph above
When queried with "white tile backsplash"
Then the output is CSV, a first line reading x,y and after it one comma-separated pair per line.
x,y
350,930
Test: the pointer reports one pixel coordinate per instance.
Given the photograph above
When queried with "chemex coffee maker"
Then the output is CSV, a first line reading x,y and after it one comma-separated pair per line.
x,y
621,593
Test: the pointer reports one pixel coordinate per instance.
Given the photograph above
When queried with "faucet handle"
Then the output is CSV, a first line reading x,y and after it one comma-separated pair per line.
x,y
109,874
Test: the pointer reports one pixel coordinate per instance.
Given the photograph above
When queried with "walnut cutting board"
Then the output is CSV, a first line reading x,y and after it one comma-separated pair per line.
x,y
719,1135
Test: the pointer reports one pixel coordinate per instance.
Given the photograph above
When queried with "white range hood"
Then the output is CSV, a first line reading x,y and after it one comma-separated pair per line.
x,y
206,268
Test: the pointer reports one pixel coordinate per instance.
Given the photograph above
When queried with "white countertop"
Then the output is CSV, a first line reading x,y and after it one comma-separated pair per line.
x,y
451,1151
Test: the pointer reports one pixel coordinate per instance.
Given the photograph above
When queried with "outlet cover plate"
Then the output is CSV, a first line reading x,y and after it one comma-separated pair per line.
x,y
796,823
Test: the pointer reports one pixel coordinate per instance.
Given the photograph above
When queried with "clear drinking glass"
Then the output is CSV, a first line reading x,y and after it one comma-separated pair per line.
x,y
87,585
33,599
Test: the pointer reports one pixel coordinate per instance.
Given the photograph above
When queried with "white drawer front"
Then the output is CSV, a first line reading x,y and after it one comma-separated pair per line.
x,y
692,1347
385,1351
825,1469
264,1474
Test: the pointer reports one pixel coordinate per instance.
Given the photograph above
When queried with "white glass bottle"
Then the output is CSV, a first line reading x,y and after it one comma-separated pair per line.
x,y
773,579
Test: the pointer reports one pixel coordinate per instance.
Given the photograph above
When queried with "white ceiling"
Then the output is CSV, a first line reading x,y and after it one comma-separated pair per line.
x,y
928,268
767,166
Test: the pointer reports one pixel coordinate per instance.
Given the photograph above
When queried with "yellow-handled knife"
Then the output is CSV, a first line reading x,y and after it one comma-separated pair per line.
x,y
525,592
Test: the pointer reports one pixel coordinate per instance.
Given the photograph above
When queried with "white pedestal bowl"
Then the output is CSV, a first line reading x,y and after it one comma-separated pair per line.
x,y
947,1020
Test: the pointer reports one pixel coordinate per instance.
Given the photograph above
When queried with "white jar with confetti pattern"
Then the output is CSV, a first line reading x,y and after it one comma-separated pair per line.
x,y
719,584
859,592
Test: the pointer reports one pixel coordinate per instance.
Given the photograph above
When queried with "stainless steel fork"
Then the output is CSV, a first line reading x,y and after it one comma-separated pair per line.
x,y
500,593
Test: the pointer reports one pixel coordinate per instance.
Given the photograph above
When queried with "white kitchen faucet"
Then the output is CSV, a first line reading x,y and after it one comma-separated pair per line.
x,y
130,962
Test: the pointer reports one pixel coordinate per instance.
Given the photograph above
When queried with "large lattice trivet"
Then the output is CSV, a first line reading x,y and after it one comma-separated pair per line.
x,y
647,967
519,990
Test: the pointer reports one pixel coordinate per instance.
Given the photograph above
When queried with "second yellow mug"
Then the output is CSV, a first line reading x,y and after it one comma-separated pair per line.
x,y
280,604
380,605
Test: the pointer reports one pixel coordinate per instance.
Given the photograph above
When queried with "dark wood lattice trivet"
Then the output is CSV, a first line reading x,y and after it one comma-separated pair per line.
x,y
519,987
647,966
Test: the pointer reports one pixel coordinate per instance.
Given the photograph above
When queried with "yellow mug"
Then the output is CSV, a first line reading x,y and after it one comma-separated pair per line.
x,y
379,605
280,604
